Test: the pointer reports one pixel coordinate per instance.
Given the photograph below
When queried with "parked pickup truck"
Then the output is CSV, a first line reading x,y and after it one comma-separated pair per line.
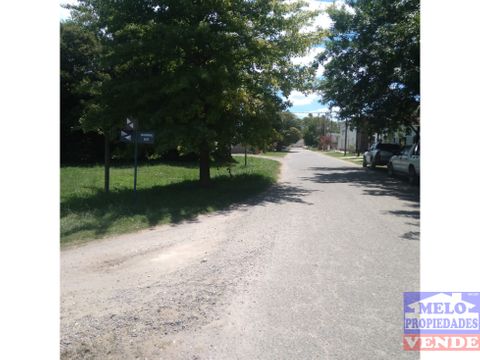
x,y
406,163
380,154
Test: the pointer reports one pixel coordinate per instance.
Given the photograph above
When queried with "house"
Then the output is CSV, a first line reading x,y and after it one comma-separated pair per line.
x,y
356,141
403,136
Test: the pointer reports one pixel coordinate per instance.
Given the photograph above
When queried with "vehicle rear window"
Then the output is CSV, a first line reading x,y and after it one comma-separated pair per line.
x,y
388,147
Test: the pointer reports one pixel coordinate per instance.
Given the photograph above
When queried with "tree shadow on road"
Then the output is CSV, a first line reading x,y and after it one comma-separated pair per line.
x,y
411,235
100,214
374,182
282,193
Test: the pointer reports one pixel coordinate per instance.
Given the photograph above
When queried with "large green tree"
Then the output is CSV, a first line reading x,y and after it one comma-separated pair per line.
x,y
199,72
79,52
372,63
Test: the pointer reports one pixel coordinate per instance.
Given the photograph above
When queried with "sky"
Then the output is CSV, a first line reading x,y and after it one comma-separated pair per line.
x,y
301,104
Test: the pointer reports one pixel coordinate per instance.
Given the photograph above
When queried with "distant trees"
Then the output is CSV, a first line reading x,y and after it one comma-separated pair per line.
x,y
203,74
372,63
292,135
316,126
287,130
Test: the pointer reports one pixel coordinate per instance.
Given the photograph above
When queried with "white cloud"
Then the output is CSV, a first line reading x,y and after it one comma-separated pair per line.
x,y
65,13
309,57
323,21
314,112
299,99
323,110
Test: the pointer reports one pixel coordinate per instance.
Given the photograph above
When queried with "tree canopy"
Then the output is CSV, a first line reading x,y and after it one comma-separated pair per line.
x,y
79,55
201,73
372,63
314,127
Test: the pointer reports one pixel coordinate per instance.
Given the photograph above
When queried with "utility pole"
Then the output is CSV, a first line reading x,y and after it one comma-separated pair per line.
x,y
346,134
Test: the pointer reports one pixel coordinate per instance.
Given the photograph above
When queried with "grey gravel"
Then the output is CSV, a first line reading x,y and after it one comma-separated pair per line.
x,y
312,269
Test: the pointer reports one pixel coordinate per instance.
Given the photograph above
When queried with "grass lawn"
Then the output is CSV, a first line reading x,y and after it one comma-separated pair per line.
x,y
352,157
167,193
275,153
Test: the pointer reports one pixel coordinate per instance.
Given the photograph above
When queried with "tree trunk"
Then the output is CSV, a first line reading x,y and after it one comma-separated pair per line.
x,y
204,165
107,162
245,155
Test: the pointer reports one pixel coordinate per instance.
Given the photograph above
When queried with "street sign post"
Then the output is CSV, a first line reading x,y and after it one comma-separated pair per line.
x,y
131,134
130,124
125,136
146,137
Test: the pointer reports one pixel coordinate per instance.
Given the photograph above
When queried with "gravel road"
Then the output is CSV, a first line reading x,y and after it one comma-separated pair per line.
x,y
312,269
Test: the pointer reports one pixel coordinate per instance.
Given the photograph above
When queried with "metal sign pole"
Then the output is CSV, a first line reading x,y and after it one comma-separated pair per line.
x,y
135,142
131,134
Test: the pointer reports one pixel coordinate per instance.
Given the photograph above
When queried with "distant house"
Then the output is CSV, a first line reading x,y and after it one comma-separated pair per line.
x,y
356,140
334,141
403,136
359,141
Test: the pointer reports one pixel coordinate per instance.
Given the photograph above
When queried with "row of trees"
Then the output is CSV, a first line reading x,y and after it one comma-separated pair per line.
x,y
372,63
203,74
316,128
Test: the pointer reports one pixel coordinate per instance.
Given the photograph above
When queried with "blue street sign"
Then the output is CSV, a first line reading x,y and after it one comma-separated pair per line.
x,y
146,137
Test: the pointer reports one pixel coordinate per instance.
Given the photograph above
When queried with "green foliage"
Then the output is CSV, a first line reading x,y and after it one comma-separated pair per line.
x,y
79,55
372,63
287,130
292,135
78,52
82,74
315,126
168,193
200,73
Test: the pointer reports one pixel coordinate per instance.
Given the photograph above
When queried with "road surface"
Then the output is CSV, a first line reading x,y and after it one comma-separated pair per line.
x,y
312,269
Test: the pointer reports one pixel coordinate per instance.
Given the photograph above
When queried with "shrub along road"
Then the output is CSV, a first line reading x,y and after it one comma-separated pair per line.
x,y
314,267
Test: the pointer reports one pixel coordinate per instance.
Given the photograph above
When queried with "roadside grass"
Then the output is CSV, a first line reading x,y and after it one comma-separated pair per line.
x,y
276,153
351,157
167,193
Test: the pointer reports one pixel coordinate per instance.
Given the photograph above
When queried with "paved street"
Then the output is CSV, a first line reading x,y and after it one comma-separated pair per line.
x,y
313,269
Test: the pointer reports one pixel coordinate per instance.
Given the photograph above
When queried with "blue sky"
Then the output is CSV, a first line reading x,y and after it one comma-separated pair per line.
x,y
310,103
301,104
64,13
